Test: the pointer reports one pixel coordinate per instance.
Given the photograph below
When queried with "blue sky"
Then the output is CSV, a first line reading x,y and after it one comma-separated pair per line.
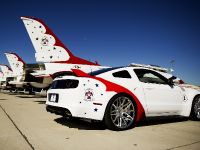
x,y
113,32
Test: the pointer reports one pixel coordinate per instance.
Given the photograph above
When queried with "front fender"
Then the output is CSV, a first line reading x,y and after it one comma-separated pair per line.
x,y
187,106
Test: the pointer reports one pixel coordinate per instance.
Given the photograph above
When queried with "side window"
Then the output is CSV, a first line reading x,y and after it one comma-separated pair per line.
x,y
122,74
149,76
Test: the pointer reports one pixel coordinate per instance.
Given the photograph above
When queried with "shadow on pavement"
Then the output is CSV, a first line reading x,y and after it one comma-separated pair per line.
x,y
80,124
15,93
3,99
161,120
40,102
31,96
86,125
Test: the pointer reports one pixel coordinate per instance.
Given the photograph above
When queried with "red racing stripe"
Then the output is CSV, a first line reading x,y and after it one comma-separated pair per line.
x,y
110,86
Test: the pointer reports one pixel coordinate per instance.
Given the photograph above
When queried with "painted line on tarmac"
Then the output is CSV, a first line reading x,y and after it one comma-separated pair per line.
x,y
25,138
183,145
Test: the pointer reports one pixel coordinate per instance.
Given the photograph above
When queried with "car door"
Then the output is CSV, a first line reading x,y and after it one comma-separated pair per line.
x,y
161,98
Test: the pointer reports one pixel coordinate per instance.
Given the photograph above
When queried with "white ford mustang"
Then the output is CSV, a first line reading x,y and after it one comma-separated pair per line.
x,y
121,96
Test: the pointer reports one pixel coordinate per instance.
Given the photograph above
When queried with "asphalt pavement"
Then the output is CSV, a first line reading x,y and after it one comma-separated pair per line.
x,y
25,124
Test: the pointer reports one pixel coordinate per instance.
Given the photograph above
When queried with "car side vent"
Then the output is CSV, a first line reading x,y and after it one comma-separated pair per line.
x,y
64,84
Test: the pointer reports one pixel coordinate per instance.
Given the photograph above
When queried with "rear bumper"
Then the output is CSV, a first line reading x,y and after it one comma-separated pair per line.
x,y
58,110
76,101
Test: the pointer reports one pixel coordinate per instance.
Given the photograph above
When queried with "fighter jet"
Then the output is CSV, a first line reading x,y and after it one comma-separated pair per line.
x,y
2,79
22,73
6,77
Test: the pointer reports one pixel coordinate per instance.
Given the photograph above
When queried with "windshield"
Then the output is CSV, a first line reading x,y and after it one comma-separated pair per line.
x,y
94,73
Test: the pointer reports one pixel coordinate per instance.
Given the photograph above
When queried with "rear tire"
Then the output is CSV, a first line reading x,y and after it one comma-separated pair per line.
x,y
120,113
195,112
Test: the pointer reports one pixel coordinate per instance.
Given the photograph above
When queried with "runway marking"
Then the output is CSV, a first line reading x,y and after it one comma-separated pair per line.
x,y
183,145
25,138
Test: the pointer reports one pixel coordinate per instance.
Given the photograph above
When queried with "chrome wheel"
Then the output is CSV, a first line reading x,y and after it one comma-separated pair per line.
x,y
197,108
122,112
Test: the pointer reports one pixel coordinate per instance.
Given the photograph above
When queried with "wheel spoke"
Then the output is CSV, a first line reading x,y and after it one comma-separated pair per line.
x,y
127,106
122,100
113,114
120,121
116,117
124,120
117,102
112,111
115,107
198,113
129,117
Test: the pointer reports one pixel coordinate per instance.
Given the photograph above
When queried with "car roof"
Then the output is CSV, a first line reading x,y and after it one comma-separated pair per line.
x,y
105,70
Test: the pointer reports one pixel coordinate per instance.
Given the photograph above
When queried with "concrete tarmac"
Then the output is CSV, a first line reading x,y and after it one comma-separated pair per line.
x,y
25,124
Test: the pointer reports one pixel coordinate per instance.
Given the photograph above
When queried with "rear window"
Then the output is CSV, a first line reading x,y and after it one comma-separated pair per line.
x,y
94,73
64,84
122,74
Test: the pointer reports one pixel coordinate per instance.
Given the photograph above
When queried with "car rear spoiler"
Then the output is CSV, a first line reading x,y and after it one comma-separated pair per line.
x,y
80,73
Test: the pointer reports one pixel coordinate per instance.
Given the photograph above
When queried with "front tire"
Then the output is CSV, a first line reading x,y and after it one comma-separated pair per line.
x,y
120,113
195,112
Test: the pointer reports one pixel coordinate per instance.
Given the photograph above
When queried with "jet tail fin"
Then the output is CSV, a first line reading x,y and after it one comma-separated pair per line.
x,y
16,63
47,45
1,74
6,70
2,78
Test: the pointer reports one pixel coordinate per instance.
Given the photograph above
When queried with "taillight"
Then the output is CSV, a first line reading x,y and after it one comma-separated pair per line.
x,y
181,82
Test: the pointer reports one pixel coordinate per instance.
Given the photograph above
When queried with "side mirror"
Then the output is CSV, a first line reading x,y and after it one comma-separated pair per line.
x,y
171,80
